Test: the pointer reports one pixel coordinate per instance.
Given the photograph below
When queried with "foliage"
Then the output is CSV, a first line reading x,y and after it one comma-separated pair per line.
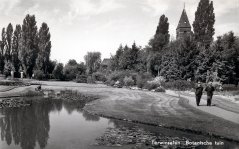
x,y
81,78
8,48
98,76
44,45
161,37
181,85
12,83
8,67
128,81
72,69
204,22
2,51
51,66
151,86
26,48
142,79
115,60
160,89
229,87
39,74
58,72
29,44
92,61
15,48
90,80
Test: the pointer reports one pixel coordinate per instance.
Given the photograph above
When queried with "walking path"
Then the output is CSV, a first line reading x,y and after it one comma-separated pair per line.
x,y
166,110
220,107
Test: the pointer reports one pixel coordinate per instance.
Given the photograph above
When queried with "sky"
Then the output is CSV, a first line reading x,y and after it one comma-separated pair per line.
x,y
78,26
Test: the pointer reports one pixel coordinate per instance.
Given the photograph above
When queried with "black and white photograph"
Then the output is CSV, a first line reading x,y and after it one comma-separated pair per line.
x,y
119,74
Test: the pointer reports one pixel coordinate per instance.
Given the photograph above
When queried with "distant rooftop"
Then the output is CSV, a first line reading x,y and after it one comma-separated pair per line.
x,y
106,61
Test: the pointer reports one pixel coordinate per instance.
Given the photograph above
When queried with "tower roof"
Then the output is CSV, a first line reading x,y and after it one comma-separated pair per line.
x,y
184,22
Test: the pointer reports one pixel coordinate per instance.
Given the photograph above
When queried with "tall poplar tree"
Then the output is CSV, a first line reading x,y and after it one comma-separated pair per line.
x,y
44,45
161,37
29,44
15,48
2,50
203,24
8,51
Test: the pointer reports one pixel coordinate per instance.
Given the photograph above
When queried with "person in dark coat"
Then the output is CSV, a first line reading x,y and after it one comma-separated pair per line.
x,y
198,93
209,89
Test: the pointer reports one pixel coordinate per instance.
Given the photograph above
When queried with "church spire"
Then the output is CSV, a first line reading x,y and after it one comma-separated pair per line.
x,y
184,26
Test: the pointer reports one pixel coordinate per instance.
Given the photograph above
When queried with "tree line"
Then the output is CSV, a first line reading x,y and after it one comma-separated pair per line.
x,y
196,57
25,48
193,58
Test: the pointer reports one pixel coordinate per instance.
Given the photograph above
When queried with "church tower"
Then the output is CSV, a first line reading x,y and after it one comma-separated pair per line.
x,y
184,27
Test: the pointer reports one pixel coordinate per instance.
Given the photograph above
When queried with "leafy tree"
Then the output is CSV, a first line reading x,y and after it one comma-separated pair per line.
x,y
204,22
72,69
51,66
58,71
204,62
142,61
29,44
187,52
15,48
8,67
44,45
124,60
9,34
225,65
2,51
115,60
92,60
154,62
161,37
170,70
134,56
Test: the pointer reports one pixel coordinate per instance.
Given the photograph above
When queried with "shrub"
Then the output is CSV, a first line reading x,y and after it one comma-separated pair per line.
x,y
159,89
128,81
38,74
181,85
81,79
15,82
151,86
229,87
112,83
158,80
141,79
118,76
90,80
98,76
8,67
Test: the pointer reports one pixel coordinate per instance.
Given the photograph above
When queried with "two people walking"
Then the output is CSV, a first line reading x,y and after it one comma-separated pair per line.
x,y
199,91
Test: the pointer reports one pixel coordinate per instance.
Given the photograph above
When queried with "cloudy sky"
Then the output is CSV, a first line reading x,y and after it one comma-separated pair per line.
x,y
78,26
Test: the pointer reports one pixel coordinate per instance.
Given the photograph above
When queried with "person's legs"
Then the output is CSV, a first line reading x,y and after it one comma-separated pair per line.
x,y
208,98
198,98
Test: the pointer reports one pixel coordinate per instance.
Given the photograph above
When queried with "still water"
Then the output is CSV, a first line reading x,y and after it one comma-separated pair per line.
x,y
57,124
51,124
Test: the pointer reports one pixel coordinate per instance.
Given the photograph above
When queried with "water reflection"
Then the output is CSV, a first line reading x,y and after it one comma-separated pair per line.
x,y
27,126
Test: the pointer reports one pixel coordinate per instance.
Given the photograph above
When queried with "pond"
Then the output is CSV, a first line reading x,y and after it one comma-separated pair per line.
x,y
58,124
